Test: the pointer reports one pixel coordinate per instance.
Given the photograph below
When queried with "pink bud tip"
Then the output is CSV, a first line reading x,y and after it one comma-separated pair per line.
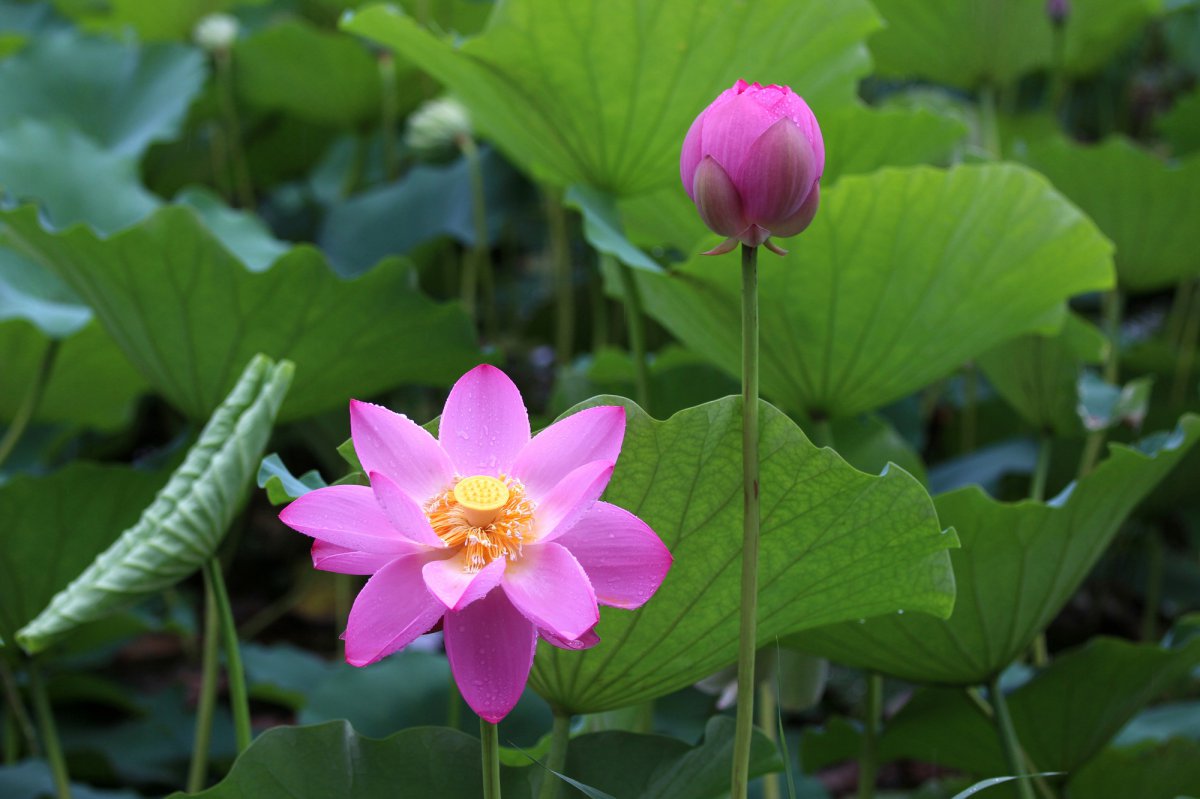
x,y
752,162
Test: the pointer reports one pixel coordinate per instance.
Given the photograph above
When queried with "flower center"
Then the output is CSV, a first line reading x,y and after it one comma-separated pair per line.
x,y
481,498
487,517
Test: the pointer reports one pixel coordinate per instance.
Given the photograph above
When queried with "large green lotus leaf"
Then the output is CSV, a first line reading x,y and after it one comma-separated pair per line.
x,y
1147,207
970,42
836,544
331,759
544,82
1154,769
92,382
1038,375
316,75
71,177
183,526
187,313
1018,565
863,139
625,764
123,96
1181,125
31,293
903,276
156,21
1063,717
55,526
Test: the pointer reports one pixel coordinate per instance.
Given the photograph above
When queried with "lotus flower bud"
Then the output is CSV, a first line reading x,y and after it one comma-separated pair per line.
x,y
1058,10
216,33
752,162
437,125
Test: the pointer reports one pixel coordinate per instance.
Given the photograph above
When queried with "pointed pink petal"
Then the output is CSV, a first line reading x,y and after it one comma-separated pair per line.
x,y
730,127
689,157
624,560
564,504
776,176
332,558
594,434
393,444
782,101
391,611
723,247
450,582
550,589
803,217
585,641
347,516
402,510
484,424
717,199
490,646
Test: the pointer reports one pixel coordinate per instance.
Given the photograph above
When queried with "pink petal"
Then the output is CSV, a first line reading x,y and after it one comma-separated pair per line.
x,y
585,641
777,174
730,128
393,610
450,581
332,558
402,510
550,589
803,217
392,444
782,101
717,199
484,424
559,509
693,145
490,646
594,434
347,516
624,560
689,157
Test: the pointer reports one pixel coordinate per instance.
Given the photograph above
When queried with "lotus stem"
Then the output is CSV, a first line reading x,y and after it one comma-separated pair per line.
x,y
238,698
768,722
1008,739
18,715
207,699
1037,487
560,265
1154,585
747,643
556,760
868,760
489,740
50,742
635,324
388,115
233,129
30,402
1187,353
1112,370
478,272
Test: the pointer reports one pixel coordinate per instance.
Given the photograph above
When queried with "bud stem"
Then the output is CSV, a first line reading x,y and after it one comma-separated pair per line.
x,y
744,728
637,331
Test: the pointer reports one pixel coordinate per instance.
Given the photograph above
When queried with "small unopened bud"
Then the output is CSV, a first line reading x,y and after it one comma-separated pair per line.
x,y
437,126
216,33
1058,10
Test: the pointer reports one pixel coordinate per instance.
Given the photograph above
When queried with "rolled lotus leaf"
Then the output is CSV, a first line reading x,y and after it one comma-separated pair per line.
x,y
185,523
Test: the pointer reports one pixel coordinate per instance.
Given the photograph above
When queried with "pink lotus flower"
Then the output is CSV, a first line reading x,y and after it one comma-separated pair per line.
x,y
752,162
498,535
